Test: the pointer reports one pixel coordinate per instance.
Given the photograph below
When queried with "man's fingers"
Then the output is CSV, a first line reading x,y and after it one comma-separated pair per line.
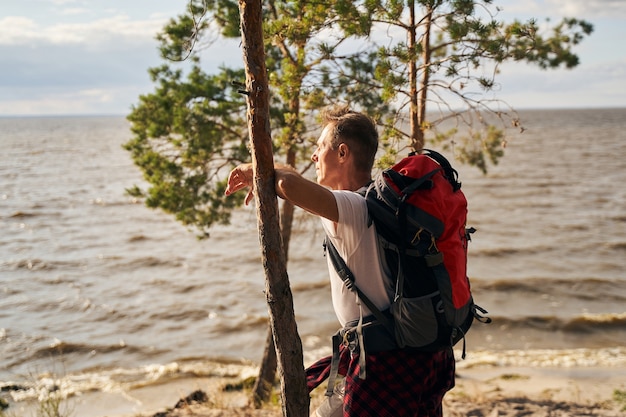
x,y
238,180
249,196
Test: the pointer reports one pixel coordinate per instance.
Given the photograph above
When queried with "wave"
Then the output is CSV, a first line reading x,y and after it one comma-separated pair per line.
x,y
60,349
543,251
116,380
137,238
613,357
36,264
120,380
148,262
21,215
40,211
616,245
310,286
244,324
504,251
583,324
590,323
187,289
585,289
182,316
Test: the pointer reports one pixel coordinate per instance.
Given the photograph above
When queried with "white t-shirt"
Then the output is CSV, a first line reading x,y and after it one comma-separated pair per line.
x,y
357,245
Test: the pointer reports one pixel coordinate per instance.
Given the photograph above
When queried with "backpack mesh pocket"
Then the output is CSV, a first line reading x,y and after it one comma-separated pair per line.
x,y
415,321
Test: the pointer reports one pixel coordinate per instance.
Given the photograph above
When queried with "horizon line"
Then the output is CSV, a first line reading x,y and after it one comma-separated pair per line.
x,y
73,115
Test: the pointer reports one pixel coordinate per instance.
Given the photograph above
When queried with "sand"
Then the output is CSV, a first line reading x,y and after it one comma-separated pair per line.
x,y
479,392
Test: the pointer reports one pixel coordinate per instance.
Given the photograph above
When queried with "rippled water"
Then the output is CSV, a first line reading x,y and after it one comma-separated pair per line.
x,y
99,282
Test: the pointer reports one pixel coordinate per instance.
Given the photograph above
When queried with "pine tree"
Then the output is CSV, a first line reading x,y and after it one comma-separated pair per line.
x,y
428,68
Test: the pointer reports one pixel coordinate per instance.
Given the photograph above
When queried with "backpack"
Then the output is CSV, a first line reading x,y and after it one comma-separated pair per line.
x,y
420,215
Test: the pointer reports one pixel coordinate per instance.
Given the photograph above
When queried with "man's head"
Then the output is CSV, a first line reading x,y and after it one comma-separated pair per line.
x,y
356,130
346,149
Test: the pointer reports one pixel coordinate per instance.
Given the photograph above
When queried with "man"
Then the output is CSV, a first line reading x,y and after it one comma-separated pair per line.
x,y
397,382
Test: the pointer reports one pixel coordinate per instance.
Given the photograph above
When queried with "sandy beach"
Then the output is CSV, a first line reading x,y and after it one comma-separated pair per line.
x,y
498,393
479,392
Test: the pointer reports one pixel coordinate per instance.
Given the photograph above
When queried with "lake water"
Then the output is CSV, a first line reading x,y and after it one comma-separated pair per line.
x,y
120,295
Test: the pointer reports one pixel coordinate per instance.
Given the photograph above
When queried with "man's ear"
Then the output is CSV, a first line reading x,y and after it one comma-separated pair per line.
x,y
343,150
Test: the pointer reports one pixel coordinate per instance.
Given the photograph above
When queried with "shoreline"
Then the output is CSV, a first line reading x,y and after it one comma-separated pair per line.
x,y
542,382
480,391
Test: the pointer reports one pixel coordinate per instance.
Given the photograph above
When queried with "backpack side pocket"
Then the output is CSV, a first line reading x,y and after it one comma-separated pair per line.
x,y
415,321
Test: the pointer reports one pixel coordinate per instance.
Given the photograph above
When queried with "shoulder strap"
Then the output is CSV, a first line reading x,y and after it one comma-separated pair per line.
x,y
451,174
348,279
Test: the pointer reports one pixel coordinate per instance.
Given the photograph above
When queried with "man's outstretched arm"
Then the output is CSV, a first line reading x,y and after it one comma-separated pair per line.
x,y
291,186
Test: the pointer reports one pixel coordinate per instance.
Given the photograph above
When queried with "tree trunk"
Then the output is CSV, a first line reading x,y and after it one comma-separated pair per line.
x,y
295,397
286,217
414,122
418,96
418,138
264,383
262,389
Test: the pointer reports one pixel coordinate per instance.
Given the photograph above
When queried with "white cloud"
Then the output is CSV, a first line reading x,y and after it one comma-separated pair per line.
x,y
589,85
15,29
69,101
589,8
583,9
92,56
62,2
25,31
74,11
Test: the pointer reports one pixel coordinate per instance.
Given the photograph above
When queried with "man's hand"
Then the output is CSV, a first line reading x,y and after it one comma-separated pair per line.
x,y
239,178
291,186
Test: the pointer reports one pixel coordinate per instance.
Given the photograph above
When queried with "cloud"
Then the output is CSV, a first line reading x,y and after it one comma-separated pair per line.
x,y
74,11
15,30
590,8
92,57
110,51
590,85
59,101
583,9
62,2
80,65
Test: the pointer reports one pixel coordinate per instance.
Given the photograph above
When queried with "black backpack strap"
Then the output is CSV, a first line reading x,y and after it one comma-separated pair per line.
x,y
348,279
479,312
383,203
451,174
409,185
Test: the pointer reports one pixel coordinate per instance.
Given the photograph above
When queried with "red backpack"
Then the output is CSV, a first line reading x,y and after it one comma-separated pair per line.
x,y
420,215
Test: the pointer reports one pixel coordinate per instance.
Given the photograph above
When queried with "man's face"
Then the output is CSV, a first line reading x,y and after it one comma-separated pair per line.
x,y
326,160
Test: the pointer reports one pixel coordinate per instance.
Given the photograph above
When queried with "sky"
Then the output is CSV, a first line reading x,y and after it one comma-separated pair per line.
x,y
91,57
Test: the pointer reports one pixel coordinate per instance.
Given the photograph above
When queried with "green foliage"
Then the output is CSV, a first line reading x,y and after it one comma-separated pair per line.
x,y
187,135
177,38
192,129
620,397
448,62
180,36
480,147
548,52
